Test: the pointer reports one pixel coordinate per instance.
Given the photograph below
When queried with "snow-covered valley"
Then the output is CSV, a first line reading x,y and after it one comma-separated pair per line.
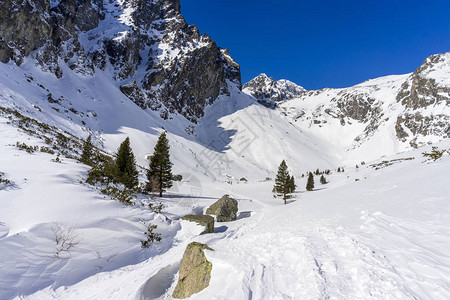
x,y
376,231
377,228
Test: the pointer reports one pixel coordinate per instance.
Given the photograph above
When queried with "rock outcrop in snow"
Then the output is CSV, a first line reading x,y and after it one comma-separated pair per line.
x,y
195,271
225,209
159,60
263,87
203,220
425,96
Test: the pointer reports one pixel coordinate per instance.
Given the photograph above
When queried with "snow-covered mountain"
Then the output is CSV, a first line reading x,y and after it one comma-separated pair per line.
x,y
264,88
157,59
402,110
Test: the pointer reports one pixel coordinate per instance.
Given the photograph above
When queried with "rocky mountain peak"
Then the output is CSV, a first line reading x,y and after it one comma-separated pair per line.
x,y
426,89
263,87
159,60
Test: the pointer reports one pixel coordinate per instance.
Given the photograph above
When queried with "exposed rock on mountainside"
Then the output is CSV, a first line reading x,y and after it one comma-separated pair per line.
x,y
414,107
426,100
161,62
264,88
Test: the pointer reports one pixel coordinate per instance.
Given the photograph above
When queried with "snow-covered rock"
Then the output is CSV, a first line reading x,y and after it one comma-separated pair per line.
x,y
263,88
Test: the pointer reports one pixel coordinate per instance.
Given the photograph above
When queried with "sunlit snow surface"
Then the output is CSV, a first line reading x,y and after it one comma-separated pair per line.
x,y
368,234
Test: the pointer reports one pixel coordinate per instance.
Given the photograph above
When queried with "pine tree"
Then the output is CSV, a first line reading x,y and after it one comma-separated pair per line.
x,y
284,183
86,154
291,185
323,180
159,174
310,182
126,165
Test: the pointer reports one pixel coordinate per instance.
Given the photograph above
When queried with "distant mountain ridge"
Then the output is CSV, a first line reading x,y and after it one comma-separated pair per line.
x,y
263,87
412,108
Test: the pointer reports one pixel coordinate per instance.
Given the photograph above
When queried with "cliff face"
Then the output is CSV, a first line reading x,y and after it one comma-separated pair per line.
x,y
425,96
160,61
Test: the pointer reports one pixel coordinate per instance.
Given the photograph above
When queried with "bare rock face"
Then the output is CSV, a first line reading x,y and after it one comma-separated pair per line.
x,y
194,272
422,91
180,70
24,26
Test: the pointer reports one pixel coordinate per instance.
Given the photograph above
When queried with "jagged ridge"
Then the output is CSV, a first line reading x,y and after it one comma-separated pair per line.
x,y
263,87
159,60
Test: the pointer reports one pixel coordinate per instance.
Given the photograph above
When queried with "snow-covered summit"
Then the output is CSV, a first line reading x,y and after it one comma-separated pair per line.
x,y
157,59
263,87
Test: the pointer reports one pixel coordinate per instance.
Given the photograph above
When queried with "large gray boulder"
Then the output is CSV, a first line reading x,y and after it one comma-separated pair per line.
x,y
203,220
194,272
225,209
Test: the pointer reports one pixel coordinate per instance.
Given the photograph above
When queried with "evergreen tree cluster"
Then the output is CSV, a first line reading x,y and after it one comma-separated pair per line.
x,y
284,183
123,168
108,170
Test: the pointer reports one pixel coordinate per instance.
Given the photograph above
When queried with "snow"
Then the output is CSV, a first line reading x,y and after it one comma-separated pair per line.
x,y
385,237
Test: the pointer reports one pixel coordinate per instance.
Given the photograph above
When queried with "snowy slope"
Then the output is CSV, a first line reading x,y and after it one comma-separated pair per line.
x,y
384,237
319,113
321,233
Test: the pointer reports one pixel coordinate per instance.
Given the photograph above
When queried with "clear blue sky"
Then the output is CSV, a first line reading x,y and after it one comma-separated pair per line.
x,y
321,44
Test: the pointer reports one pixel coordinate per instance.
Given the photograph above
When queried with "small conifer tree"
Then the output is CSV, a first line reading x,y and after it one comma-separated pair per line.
x,y
87,152
284,183
323,180
126,165
291,185
159,174
310,182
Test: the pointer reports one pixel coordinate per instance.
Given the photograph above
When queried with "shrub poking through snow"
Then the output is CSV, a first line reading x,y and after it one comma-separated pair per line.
x,y
151,236
435,154
124,196
3,180
87,153
323,180
66,239
155,208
